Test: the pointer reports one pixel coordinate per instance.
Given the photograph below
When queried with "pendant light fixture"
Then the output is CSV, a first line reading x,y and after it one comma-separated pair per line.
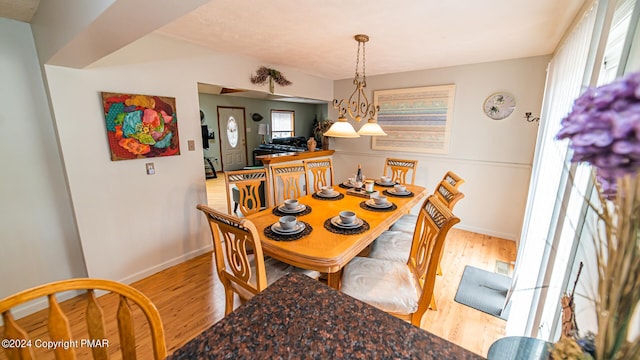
x,y
358,105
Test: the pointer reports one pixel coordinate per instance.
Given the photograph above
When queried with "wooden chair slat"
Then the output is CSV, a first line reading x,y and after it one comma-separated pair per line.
x,y
248,184
126,330
399,169
289,177
13,331
95,326
321,171
59,329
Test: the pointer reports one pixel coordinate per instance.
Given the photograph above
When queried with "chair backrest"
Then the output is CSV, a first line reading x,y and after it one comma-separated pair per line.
x,y
59,325
237,251
321,171
249,183
448,194
453,179
400,168
288,181
432,226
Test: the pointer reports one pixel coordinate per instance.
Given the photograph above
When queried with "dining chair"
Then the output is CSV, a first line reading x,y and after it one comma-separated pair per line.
x,y
453,179
445,192
404,290
252,188
399,169
395,243
241,271
288,181
59,325
319,173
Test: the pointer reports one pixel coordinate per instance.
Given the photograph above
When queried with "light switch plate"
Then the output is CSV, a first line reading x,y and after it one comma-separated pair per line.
x,y
150,168
192,145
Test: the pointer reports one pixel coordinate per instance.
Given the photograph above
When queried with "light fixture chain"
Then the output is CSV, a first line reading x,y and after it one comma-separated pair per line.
x,y
358,60
364,63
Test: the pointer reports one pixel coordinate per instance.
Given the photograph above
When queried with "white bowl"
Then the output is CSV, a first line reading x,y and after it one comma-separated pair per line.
x,y
400,188
385,179
347,217
379,199
327,190
288,222
291,204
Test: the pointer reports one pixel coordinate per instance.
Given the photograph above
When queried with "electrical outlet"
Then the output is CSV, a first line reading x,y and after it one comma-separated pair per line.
x,y
150,168
192,145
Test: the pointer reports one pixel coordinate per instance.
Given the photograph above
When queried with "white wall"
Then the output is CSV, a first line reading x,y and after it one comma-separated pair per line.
x,y
38,238
494,157
132,224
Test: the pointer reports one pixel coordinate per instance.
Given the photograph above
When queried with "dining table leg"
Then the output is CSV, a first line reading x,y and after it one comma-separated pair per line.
x,y
334,279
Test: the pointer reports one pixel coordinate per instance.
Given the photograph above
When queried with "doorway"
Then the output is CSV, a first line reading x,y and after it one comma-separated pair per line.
x,y
232,130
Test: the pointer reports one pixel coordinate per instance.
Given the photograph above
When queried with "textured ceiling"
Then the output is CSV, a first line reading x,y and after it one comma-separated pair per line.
x,y
316,37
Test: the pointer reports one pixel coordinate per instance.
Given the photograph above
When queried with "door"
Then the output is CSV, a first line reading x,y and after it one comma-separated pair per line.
x,y
233,146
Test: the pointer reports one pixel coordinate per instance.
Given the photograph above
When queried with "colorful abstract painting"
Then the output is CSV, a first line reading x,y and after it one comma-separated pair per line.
x,y
140,126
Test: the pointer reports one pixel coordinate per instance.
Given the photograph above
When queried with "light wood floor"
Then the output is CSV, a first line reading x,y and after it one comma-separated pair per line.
x,y
190,297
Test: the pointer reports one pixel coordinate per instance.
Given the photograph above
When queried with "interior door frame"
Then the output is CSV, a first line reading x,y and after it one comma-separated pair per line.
x,y
244,121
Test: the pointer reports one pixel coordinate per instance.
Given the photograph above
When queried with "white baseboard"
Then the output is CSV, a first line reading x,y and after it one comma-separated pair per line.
x,y
483,231
167,264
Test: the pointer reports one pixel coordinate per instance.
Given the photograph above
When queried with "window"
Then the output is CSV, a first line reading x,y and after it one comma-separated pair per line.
x,y
282,123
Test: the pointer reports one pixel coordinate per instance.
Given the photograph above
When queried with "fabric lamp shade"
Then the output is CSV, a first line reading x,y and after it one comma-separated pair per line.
x,y
262,129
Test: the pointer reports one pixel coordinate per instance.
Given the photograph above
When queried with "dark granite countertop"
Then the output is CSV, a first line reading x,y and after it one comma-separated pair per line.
x,y
301,318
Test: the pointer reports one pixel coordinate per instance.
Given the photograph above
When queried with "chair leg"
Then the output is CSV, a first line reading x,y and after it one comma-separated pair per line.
x,y
228,302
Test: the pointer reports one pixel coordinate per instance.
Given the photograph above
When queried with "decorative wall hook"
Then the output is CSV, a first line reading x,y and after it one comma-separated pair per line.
x,y
528,117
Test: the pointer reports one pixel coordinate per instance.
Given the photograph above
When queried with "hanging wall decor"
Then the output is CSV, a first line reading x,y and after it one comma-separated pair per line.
x,y
264,75
140,126
415,119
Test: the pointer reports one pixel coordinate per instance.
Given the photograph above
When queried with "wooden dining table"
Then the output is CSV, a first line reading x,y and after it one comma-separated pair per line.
x,y
301,318
326,251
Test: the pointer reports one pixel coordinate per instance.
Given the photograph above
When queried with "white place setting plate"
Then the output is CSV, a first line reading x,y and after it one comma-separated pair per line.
x,y
394,191
373,204
332,195
299,208
338,222
390,183
278,230
347,184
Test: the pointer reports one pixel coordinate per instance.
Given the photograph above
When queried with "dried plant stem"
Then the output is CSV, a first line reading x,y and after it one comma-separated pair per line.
x,y
618,260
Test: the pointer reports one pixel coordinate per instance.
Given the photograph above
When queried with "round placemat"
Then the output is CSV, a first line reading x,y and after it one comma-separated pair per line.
x,y
386,192
315,196
334,229
277,211
279,237
364,205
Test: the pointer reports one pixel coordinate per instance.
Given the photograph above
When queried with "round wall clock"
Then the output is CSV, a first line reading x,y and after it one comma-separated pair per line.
x,y
499,105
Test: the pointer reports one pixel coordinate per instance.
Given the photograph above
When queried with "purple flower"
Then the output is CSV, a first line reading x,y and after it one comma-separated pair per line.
x,y
604,130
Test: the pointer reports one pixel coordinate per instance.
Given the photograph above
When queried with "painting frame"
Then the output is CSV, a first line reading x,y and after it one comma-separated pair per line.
x,y
140,126
415,119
